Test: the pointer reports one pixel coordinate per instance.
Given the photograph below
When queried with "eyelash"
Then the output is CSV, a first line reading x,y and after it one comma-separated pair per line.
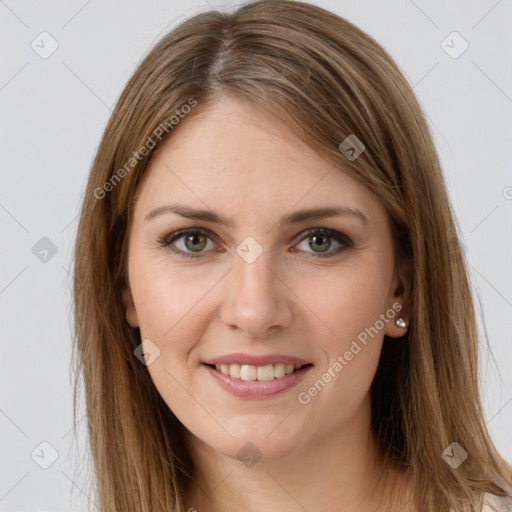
x,y
168,240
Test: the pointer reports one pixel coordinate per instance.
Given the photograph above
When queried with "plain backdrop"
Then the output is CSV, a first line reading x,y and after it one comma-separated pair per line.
x,y
53,111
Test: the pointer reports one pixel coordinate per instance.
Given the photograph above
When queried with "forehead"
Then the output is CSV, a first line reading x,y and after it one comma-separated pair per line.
x,y
234,157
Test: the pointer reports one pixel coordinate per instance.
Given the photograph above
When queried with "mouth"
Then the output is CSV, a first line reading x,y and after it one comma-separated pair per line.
x,y
266,372
266,377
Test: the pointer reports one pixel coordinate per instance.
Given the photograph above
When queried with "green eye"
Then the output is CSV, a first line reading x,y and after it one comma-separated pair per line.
x,y
195,241
320,241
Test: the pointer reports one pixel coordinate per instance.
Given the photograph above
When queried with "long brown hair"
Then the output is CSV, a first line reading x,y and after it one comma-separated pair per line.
x,y
328,80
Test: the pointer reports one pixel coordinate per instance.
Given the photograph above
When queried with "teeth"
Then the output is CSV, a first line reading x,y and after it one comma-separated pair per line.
x,y
248,372
265,372
279,370
235,371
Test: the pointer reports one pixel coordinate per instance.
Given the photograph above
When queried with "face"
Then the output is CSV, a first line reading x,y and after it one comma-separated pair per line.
x,y
230,300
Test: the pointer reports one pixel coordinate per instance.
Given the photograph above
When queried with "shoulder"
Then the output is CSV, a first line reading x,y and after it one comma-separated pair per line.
x,y
493,503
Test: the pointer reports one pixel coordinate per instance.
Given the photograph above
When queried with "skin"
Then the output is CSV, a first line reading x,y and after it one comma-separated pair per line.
x,y
247,166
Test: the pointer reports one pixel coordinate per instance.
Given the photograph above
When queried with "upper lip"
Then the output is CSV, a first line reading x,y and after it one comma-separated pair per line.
x,y
253,360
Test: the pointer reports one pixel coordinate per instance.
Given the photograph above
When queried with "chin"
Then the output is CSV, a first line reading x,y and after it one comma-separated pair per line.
x,y
252,443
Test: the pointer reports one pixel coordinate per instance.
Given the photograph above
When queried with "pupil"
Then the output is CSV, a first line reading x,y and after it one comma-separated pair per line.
x,y
195,239
324,245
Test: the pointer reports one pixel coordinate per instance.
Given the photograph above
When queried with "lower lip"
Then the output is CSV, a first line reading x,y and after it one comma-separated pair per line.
x,y
258,388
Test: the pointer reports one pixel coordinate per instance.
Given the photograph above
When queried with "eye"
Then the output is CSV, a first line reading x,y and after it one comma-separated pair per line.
x,y
186,242
320,241
190,243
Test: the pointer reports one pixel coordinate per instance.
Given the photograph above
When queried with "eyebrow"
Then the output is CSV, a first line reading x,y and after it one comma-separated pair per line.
x,y
292,218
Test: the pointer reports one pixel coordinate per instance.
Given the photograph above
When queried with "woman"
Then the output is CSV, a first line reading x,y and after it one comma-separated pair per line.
x,y
272,309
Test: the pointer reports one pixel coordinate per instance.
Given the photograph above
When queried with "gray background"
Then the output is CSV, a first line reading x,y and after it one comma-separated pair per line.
x,y
53,111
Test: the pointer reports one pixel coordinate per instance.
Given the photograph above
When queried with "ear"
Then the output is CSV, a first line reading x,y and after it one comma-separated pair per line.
x,y
131,313
398,300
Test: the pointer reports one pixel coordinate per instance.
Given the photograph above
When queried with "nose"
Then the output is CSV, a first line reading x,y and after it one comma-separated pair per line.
x,y
257,302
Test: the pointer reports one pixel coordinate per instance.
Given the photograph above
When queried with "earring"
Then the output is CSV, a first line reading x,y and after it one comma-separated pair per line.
x,y
401,323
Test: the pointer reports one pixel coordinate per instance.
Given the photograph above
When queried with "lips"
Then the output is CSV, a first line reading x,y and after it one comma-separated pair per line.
x,y
250,376
256,389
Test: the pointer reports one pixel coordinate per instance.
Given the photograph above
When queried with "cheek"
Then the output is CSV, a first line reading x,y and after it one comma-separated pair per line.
x,y
346,302
166,300
171,314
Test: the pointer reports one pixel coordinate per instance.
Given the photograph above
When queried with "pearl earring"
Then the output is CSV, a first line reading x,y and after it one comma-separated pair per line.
x,y
401,323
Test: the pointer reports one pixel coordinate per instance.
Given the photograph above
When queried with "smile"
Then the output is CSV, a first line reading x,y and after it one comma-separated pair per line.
x,y
261,373
257,381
